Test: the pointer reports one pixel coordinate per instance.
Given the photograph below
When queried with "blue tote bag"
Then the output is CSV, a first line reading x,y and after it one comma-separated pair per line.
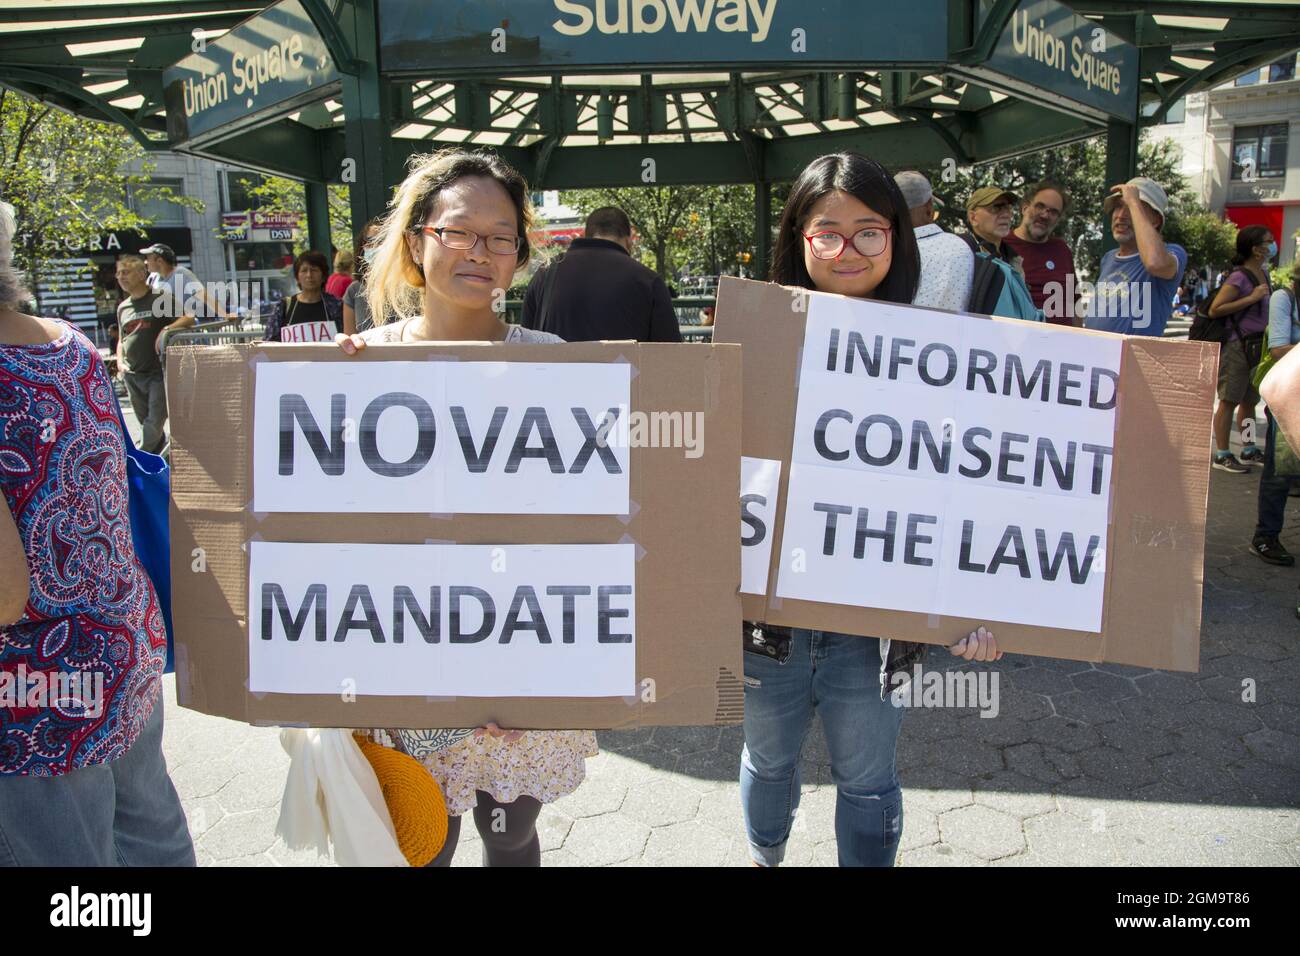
x,y
148,480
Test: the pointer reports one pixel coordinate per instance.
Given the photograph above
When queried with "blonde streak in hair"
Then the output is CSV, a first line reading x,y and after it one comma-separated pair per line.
x,y
383,279
386,284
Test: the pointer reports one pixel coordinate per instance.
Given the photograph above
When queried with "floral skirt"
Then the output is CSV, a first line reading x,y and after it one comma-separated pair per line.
x,y
542,764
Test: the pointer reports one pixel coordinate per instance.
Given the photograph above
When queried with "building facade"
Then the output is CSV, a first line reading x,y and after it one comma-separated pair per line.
x,y
1241,150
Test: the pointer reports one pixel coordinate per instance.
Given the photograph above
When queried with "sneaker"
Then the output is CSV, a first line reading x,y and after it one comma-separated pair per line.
x,y
1272,551
1251,453
1228,462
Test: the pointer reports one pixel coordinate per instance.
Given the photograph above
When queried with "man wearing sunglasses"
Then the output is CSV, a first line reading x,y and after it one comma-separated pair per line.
x,y
598,291
1048,263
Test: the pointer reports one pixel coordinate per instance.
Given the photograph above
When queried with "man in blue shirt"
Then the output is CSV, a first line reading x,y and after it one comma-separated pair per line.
x,y
1136,286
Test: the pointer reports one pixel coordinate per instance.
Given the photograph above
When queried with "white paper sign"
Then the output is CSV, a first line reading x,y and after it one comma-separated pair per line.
x,y
950,465
760,479
441,437
309,332
442,620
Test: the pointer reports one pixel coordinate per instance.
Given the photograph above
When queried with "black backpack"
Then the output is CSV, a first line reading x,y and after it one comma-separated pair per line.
x,y
1205,328
986,285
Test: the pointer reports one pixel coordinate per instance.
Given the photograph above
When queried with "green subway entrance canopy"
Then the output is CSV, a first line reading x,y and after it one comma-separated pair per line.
x,y
580,93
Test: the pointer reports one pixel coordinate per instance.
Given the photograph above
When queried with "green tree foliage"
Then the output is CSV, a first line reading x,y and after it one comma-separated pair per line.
x,y
720,231
67,180
707,230
1281,275
1208,239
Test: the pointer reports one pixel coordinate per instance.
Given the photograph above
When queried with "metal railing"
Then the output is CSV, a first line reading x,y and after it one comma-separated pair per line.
x,y
211,333
215,337
689,310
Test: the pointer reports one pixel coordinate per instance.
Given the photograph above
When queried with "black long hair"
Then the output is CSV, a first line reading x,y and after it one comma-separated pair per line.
x,y
1247,240
870,183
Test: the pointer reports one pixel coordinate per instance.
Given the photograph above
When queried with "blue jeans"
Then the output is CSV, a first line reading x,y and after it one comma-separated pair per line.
x,y
838,677
121,813
1272,489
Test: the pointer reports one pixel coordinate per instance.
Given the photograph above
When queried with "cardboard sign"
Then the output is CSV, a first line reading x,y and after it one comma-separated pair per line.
x,y
943,471
492,544
482,437
309,332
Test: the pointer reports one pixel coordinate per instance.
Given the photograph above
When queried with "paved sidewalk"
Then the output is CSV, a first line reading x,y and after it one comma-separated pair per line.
x,y
1101,765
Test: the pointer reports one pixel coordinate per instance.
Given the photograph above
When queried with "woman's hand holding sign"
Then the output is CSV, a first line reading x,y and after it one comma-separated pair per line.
x,y
350,344
977,646
510,735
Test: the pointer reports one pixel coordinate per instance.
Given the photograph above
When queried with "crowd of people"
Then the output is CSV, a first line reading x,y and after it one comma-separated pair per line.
x,y
73,595
1135,290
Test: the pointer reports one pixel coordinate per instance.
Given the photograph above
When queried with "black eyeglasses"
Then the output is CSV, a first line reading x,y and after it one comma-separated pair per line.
x,y
500,244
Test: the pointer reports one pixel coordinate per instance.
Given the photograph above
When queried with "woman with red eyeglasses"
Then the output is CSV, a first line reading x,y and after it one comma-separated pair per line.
x,y
846,229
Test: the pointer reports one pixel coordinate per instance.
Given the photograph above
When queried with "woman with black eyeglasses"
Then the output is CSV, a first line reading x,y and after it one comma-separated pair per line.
x,y
845,229
445,254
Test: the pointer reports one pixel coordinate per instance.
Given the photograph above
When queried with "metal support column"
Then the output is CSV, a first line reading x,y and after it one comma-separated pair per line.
x,y
366,127
762,229
318,218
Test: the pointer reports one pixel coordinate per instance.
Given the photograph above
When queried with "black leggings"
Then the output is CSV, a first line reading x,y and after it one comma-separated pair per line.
x,y
509,836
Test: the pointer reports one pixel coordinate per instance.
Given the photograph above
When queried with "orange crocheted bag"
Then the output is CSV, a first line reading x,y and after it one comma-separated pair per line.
x,y
414,800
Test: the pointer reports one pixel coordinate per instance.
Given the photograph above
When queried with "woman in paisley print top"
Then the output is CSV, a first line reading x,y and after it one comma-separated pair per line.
x,y
82,641
445,293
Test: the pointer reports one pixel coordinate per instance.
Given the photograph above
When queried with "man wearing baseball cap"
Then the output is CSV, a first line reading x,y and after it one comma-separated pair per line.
x,y
947,263
988,211
184,286
1137,282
